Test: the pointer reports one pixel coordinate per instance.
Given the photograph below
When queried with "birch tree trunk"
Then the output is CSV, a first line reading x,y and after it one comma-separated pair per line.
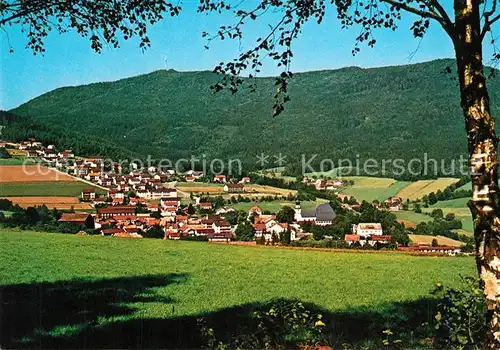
x,y
482,145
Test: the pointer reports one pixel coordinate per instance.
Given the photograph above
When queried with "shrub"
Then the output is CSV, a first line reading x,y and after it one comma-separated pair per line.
x,y
461,316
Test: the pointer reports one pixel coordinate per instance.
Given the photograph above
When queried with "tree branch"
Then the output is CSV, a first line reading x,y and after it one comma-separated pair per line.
x,y
489,22
441,17
413,10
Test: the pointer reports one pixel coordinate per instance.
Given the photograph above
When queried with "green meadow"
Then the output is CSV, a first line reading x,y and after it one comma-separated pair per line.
x,y
92,291
459,208
43,189
16,160
276,205
372,188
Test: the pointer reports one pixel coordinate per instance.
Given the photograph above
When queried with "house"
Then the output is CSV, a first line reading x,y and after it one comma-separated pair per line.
x,y
220,237
234,188
221,226
254,210
380,239
116,194
88,194
115,211
190,179
170,192
245,180
82,219
135,201
170,203
206,205
393,203
351,239
220,178
366,230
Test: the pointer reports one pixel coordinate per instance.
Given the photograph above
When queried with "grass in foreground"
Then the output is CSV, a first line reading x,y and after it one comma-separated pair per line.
x,y
43,188
71,291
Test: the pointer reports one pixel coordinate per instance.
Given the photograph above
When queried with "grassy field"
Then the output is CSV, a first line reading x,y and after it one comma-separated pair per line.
x,y
61,289
412,216
459,208
250,189
373,188
44,188
466,187
276,205
421,188
369,194
442,240
16,161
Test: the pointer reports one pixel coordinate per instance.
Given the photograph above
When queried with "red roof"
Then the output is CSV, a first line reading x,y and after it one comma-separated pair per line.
x,y
111,231
352,238
117,209
235,186
74,218
381,237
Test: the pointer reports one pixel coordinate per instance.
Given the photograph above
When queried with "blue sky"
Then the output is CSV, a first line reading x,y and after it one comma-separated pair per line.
x,y
70,61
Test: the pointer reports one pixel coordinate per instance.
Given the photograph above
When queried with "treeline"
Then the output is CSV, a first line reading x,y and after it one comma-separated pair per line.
x,y
39,218
82,143
450,192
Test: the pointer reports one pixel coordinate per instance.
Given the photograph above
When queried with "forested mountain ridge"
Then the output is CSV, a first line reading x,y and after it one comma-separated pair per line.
x,y
389,112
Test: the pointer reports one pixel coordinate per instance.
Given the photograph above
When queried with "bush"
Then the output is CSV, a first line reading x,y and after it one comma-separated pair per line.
x,y
461,316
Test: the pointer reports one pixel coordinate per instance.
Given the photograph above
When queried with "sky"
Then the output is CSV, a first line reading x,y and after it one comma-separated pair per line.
x,y
69,60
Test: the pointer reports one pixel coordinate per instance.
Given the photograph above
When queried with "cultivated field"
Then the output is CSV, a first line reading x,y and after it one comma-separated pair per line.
x,y
421,188
200,187
276,205
44,189
423,239
373,188
17,173
250,189
411,216
50,202
65,291
268,190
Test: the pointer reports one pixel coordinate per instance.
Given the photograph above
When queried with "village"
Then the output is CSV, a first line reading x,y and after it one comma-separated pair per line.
x,y
128,204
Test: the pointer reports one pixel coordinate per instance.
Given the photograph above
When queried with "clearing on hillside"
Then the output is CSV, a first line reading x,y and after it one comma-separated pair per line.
x,y
421,188
20,173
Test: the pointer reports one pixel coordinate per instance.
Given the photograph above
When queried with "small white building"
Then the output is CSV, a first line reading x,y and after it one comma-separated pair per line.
x,y
365,230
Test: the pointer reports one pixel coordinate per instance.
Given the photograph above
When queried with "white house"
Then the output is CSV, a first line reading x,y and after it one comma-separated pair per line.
x,y
365,230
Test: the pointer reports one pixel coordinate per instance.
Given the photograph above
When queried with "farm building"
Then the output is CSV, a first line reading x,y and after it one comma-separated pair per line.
x,y
123,210
82,219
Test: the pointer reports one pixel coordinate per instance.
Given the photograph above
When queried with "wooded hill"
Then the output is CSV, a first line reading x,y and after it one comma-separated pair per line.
x,y
381,113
